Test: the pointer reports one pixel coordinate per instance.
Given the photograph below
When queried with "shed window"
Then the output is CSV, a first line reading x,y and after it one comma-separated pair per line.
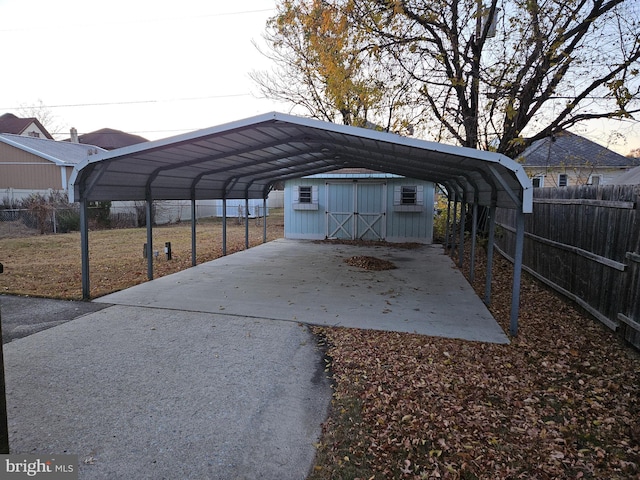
x,y
563,180
305,197
408,198
304,194
595,179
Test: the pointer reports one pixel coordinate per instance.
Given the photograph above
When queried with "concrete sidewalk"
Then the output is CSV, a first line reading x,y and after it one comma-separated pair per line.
x,y
210,372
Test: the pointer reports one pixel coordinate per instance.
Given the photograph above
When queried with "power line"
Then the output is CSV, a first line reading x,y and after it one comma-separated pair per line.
x,y
134,102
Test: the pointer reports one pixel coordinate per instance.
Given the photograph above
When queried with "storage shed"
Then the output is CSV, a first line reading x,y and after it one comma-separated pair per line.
x,y
352,204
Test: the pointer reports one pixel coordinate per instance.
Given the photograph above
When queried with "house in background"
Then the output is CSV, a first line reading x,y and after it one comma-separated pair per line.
x,y
566,159
359,204
630,177
37,165
107,138
28,127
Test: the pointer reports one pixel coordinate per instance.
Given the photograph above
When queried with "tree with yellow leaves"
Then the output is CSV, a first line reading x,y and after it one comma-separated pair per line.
x,y
327,67
496,75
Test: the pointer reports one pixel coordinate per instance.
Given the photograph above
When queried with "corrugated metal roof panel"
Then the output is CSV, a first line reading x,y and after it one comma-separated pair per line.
x,y
243,159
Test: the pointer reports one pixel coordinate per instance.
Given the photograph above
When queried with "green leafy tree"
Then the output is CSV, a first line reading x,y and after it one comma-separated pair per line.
x,y
496,76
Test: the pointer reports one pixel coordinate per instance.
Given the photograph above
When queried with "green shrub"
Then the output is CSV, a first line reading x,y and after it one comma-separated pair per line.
x,y
68,220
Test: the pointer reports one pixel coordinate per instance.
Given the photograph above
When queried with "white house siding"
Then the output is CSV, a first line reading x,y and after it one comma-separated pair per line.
x,y
33,131
337,196
576,175
22,170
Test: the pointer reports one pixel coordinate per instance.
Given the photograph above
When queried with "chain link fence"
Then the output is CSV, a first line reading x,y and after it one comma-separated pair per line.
x,y
18,222
48,218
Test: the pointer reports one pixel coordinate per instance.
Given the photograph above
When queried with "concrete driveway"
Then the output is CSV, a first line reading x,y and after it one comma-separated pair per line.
x,y
309,282
211,372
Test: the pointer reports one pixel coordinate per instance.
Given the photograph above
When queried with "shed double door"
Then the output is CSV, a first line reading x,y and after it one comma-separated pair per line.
x,y
356,210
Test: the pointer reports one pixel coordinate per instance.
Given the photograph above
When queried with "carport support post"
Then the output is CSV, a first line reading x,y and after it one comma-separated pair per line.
x,y
149,240
246,223
492,233
517,272
224,226
84,249
264,220
193,232
447,225
474,231
463,209
453,224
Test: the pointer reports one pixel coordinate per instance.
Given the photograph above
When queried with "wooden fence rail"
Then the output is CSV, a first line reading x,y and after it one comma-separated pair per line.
x,y
584,242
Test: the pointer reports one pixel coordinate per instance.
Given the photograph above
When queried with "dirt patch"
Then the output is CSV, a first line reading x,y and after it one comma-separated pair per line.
x,y
369,263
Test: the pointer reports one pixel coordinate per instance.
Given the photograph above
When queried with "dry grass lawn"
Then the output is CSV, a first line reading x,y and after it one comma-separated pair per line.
x,y
49,265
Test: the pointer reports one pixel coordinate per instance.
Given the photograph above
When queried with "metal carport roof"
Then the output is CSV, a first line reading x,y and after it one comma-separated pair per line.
x,y
244,159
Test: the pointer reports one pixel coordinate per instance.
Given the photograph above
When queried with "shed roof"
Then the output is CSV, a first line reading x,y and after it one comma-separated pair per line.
x,y
60,153
243,159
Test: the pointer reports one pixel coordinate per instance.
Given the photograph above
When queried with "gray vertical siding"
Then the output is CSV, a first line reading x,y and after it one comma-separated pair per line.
x,y
410,226
305,224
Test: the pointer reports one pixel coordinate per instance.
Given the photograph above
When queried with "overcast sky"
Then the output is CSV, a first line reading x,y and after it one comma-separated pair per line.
x,y
156,68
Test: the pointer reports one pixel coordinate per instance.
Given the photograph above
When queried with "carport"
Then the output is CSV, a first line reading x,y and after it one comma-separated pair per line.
x,y
244,159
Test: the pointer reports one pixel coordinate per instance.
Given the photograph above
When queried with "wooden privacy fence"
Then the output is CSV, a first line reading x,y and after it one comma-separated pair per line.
x,y
584,242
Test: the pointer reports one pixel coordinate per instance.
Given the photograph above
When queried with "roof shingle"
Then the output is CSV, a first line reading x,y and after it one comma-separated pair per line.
x,y
568,149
